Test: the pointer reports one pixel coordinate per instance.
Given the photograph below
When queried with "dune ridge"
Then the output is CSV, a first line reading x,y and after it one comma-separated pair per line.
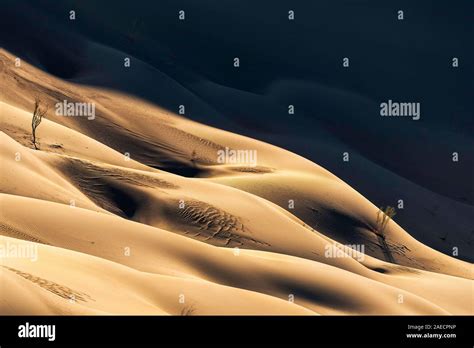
x,y
167,229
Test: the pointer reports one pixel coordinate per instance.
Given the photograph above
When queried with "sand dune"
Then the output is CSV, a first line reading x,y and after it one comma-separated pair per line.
x,y
314,285
131,212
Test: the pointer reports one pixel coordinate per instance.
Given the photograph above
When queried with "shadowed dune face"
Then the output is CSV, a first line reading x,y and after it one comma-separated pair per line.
x,y
111,188
142,197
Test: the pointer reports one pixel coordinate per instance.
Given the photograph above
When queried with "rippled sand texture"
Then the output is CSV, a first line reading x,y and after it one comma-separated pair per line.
x,y
132,213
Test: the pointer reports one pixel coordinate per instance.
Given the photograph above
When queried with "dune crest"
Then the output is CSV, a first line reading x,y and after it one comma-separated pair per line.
x,y
138,199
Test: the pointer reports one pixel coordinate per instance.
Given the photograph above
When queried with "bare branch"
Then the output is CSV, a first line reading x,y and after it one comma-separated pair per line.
x,y
38,114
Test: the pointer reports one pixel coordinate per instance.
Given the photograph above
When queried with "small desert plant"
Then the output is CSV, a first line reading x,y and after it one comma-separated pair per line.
x,y
383,217
36,120
193,157
187,310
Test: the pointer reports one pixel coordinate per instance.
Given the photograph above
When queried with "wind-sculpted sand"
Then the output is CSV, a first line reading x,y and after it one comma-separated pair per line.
x,y
132,213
